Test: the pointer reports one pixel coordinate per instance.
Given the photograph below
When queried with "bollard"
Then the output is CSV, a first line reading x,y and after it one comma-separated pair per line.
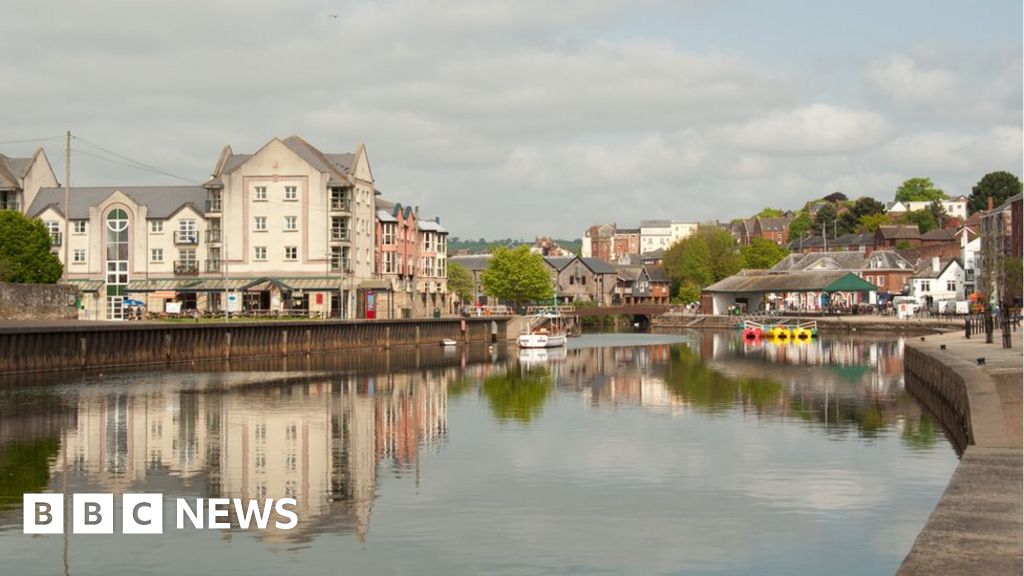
x,y
989,328
967,328
1006,333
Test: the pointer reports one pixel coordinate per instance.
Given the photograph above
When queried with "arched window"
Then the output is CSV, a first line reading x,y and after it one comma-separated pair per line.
x,y
117,260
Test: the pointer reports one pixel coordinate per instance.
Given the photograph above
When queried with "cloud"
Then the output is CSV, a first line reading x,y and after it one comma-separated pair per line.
x,y
814,129
901,79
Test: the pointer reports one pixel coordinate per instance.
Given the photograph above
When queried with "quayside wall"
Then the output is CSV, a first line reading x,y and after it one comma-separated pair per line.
x,y
68,347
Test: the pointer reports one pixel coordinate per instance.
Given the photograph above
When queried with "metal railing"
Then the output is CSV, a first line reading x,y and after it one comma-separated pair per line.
x,y
214,266
186,267
213,235
342,265
339,234
212,206
341,205
186,237
56,238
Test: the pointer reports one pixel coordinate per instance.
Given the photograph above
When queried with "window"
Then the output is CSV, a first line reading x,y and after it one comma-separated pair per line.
x,y
79,227
881,280
291,253
260,253
156,255
187,255
78,256
389,234
926,286
186,232
389,262
291,223
951,285
261,223
156,226
291,193
260,193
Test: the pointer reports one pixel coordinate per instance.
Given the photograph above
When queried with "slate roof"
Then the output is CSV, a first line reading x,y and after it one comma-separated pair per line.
x,y
385,216
940,235
338,166
559,262
820,260
471,263
598,266
862,239
887,260
898,232
11,169
162,201
925,270
655,223
657,274
774,224
431,226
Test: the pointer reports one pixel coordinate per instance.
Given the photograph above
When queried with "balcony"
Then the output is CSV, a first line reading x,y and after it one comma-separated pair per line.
x,y
341,265
341,205
186,237
213,235
56,238
339,235
214,266
213,206
186,267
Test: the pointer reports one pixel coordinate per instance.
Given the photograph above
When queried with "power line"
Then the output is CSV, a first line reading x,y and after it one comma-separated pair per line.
x,y
137,166
27,140
134,163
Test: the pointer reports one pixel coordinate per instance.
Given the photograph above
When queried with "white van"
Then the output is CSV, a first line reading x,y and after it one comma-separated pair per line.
x,y
905,306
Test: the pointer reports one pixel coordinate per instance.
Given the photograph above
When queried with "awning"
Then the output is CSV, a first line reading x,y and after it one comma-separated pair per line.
x,y
86,285
234,284
375,285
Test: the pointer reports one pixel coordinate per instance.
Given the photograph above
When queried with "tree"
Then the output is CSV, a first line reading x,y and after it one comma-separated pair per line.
x,y
919,190
703,258
762,254
799,226
938,212
850,221
460,282
769,213
923,219
516,275
997,185
871,222
688,292
828,220
25,256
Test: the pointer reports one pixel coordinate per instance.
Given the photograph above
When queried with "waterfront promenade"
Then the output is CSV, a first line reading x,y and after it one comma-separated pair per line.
x,y
976,528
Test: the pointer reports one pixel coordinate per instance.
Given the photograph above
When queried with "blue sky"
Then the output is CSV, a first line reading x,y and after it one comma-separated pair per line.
x,y
529,117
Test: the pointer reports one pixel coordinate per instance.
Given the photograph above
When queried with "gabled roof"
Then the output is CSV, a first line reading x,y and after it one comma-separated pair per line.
x,y
899,232
385,216
431,226
940,234
337,166
559,262
598,266
11,169
774,224
925,269
161,201
657,274
887,260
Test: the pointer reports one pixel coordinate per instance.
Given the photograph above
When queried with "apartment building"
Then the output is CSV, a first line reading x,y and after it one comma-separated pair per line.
x,y
285,230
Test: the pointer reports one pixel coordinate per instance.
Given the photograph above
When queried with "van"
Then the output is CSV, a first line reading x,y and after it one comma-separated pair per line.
x,y
905,305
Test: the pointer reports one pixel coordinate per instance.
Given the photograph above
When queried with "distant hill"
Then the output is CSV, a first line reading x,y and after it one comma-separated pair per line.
x,y
483,246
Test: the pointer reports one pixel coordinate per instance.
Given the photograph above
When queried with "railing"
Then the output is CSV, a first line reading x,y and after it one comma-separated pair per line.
x,y
212,206
339,234
10,205
186,237
487,311
214,266
341,265
341,205
56,238
213,235
186,267
550,310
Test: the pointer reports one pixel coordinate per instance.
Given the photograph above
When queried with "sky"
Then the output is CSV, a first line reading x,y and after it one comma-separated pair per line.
x,y
519,118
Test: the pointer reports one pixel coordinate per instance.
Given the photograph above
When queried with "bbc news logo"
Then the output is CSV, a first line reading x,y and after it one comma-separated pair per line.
x,y
144,513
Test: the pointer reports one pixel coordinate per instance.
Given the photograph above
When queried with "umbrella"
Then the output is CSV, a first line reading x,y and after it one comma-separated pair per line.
x,y
134,303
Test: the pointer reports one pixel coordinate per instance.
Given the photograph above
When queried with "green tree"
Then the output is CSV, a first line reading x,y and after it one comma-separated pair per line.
x,y
923,219
516,275
997,185
938,212
705,257
919,190
25,256
850,221
460,282
799,227
688,292
871,222
769,213
827,220
762,254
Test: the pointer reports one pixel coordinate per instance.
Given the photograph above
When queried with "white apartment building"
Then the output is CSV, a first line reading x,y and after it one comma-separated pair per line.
x,y
661,234
286,230
955,207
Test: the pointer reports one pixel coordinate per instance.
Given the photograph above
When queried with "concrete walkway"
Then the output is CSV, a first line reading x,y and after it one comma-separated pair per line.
x,y
977,526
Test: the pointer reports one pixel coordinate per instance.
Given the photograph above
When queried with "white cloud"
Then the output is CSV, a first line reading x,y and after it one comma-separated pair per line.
x,y
900,78
814,129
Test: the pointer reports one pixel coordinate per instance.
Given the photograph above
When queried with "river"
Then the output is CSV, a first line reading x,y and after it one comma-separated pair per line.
x,y
691,453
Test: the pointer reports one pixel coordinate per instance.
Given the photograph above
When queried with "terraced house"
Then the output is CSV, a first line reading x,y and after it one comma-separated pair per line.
x,y
287,230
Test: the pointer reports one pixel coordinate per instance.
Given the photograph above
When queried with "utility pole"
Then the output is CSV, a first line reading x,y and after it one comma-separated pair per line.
x,y
67,202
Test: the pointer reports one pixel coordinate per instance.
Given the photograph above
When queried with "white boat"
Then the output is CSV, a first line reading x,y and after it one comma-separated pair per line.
x,y
540,339
449,342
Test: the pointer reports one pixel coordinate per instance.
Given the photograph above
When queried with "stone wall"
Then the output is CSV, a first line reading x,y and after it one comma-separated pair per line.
x,y
38,301
943,390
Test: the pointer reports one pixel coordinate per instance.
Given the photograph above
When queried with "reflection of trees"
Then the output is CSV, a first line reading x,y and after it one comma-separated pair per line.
x,y
920,434
518,396
24,469
691,380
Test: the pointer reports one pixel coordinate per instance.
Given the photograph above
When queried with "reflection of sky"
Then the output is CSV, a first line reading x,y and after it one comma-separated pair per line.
x,y
597,482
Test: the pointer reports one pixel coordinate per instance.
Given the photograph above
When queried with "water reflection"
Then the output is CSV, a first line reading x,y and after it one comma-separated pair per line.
x,y
328,430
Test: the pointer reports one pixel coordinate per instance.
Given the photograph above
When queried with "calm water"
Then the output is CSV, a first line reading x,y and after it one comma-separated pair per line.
x,y
625,454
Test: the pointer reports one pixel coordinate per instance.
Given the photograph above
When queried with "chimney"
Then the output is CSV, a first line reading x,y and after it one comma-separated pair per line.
x,y
989,198
935,263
